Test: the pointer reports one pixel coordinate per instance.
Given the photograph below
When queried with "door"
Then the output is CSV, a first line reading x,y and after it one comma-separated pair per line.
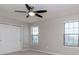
x,y
9,38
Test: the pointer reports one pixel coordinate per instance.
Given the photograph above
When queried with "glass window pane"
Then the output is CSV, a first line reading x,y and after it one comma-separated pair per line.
x,y
71,25
76,40
35,31
71,31
76,24
66,32
75,31
75,43
66,39
35,39
70,42
66,25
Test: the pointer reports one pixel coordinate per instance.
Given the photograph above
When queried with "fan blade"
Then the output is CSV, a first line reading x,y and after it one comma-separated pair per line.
x,y
27,16
39,15
41,11
27,6
20,11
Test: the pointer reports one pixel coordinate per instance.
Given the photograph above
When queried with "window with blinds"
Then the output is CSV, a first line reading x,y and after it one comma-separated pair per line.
x,y
71,34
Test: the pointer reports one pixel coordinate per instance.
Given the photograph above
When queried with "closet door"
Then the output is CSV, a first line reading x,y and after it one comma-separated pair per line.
x,y
9,39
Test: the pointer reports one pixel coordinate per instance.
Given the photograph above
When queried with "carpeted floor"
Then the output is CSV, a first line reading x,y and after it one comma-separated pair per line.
x,y
27,52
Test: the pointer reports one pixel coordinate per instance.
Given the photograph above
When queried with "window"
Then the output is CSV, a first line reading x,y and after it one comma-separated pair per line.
x,y
71,34
35,34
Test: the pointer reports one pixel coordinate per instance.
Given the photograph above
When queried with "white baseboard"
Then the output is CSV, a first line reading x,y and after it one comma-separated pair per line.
x,y
24,49
43,51
9,52
49,53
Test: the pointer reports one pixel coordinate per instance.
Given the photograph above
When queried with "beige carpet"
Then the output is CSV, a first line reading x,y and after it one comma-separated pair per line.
x,y
27,52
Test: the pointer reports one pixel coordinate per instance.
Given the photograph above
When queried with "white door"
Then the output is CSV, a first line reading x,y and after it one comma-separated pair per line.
x,y
9,38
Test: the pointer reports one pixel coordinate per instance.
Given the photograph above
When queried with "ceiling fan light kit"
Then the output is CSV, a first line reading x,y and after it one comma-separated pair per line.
x,y
31,12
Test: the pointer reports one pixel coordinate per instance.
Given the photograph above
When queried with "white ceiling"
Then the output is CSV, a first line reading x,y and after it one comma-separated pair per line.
x,y
54,11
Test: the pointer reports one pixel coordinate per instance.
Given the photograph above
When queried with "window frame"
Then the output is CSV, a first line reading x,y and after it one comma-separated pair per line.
x,y
34,43
71,34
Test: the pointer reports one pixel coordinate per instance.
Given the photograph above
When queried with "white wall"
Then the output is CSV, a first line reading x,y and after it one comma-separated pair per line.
x,y
24,33
26,36
51,37
10,38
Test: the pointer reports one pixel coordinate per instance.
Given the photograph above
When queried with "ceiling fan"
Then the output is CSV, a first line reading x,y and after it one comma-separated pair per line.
x,y
31,12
